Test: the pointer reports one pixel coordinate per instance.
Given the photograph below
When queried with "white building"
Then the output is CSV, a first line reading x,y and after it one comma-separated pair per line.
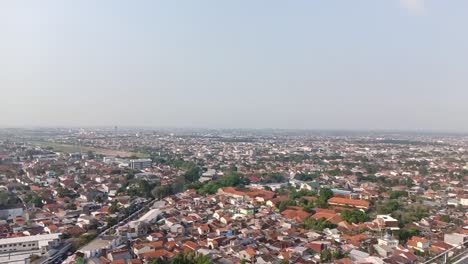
x,y
388,241
11,213
96,247
29,243
455,239
140,164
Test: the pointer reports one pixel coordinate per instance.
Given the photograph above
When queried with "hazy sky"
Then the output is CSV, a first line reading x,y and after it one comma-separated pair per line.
x,y
325,64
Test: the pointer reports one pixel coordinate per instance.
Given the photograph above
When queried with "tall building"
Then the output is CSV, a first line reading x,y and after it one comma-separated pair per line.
x,y
140,164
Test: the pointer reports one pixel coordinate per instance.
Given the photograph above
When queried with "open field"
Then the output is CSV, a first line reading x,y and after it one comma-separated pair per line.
x,y
75,148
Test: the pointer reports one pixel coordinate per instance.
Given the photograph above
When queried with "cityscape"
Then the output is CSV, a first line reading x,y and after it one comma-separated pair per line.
x,y
232,196
233,132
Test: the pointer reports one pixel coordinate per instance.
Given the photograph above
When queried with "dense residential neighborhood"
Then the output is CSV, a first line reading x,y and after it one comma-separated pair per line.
x,y
142,196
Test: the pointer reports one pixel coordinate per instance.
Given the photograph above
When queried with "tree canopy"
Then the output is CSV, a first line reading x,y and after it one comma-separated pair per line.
x,y
191,257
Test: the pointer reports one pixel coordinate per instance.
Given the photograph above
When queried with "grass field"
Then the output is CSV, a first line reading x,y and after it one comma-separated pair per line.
x,y
75,148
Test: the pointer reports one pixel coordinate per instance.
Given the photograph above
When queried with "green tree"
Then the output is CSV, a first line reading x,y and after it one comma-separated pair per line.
x,y
325,194
111,221
284,204
404,234
193,174
354,216
190,257
445,218
388,207
423,171
114,208
318,225
91,155
325,256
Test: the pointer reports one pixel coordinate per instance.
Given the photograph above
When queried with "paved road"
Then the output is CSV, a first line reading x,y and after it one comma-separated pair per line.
x,y
126,220
104,232
463,260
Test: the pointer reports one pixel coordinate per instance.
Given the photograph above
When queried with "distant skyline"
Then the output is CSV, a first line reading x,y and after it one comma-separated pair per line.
x,y
324,65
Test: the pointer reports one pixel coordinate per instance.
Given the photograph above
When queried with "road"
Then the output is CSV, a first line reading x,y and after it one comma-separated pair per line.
x,y
125,221
463,259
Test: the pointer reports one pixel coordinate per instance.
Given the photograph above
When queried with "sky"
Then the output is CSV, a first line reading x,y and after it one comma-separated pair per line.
x,y
290,64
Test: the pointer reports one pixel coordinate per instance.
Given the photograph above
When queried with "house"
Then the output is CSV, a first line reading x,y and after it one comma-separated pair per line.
x,y
247,254
122,255
386,222
440,246
203,229
418,243
295,215
154,237
96,247
177,229
139,249
338,201
51,229
455,239
388,241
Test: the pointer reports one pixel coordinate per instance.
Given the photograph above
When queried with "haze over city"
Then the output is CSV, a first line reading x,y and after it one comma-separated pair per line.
x,y
384,65
233,132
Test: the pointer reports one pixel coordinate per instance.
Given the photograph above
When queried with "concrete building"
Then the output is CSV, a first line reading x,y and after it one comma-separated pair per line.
x,y
29,243
387,222
11,213
456,239
140,164
388,241
98,246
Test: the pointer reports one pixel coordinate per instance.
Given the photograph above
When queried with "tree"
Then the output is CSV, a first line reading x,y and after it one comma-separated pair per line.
x,y
354,216
37,202
157,261
445,218
91,155
284,204
318,225
388,207
423,171
111,221
404,234
326,256
398,194
325,194
193,174
114,208
190,257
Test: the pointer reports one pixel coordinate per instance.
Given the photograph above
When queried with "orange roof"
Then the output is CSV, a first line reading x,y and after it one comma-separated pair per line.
x,y
192,245
295,214
350,202
52,227
332,218
157,254
419,239
157,244
250,251
35,188
344,261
